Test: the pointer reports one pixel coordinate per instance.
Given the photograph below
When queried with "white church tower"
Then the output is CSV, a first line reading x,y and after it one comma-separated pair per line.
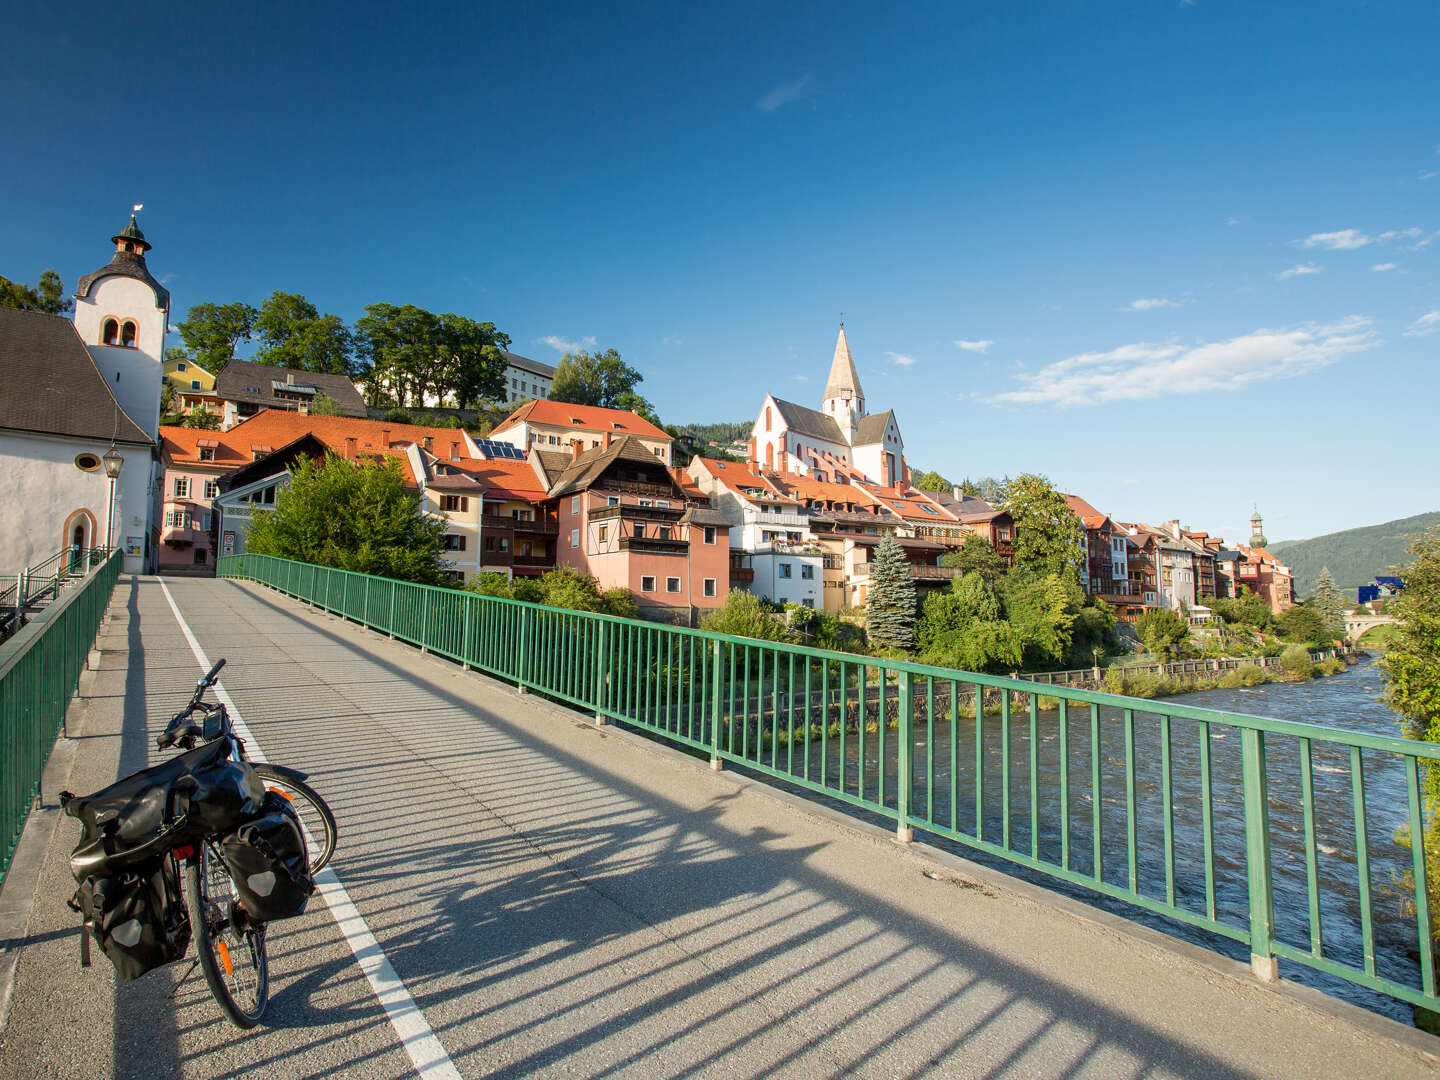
x,y
844,400
121,314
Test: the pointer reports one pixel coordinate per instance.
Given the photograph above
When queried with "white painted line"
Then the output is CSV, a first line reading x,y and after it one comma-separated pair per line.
x,y
426,1053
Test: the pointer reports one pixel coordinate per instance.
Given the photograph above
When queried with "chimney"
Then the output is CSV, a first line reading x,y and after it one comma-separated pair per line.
x,y
574,448
605,441
289,378
454,451
957,492
385,438
429,442
350,447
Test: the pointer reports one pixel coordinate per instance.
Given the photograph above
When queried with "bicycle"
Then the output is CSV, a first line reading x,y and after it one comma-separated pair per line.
x,y
314,813
144,899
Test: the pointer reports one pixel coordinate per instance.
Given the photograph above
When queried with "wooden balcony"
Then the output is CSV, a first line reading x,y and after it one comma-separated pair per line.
x,y
545,526
629,512
653,545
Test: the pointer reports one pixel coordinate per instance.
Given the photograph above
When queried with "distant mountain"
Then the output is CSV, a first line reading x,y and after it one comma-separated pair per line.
x,y
1354,556
723,434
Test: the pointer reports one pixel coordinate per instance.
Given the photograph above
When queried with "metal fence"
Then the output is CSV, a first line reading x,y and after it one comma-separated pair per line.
x,y
39,670
1204,666
1204,817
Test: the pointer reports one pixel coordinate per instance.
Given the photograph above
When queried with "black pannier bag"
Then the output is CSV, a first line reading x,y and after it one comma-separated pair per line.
x,y
128,915
268,862
198,793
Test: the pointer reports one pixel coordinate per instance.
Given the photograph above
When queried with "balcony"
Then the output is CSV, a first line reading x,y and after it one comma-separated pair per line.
x,y
545,527
636,487
934,573
653,545
545,561
183,537
742,575
629,512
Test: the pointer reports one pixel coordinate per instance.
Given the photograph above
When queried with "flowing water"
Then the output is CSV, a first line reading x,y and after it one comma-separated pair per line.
x,y
1350,701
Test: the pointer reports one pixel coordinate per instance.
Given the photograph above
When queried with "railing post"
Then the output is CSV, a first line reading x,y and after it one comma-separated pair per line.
x,y
602,668
905,751
524,676
716,762
466,603
1263,961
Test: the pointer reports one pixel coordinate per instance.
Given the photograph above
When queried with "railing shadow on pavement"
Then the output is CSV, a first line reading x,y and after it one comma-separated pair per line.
x,y
592,883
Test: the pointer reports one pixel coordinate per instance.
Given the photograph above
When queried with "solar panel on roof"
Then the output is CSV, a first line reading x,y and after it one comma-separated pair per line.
x,y
492,450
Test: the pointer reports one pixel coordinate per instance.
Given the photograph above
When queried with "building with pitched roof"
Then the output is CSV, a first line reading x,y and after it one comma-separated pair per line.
x,y
558,427
624,519
791,438
243,388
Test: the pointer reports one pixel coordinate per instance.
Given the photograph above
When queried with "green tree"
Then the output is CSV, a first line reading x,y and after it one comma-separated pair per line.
x,y
352,516
293,334
48,295
1092,632
633,402
1049,538
324,405
975,555
962,627
1329,604
933,481
1411,670
212,331
583,378
987,488
1041,610
410,353
1161,630
743,615
1302,623
203,418
890,609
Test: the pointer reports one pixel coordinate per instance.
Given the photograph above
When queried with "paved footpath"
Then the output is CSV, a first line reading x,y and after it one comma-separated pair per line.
x,y
564,900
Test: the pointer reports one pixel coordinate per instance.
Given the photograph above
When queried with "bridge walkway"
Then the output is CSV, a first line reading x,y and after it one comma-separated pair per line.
x,y
559,899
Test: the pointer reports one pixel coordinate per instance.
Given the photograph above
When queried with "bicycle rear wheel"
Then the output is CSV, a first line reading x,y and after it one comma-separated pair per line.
x,y
312,810
231,948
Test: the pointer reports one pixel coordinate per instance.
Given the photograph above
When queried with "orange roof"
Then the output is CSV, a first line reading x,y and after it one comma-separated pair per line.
x,y
738,477
562,414
910,504
504,478
809,490
270,429
1092,518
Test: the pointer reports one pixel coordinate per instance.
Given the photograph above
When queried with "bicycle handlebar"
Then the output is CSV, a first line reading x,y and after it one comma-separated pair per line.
x,y
178,730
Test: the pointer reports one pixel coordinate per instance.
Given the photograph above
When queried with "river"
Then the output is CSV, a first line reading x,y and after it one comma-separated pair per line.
x,y
1349,701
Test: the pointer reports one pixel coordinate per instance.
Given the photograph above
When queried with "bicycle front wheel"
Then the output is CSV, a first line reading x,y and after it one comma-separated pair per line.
x,y
231,947
312,810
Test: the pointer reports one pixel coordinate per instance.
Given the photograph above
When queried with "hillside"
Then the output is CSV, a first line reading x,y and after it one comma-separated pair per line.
x,y
1354,556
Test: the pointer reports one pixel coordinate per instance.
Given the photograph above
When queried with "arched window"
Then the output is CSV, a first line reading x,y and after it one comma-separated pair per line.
x,y
767,417
127,334
110,332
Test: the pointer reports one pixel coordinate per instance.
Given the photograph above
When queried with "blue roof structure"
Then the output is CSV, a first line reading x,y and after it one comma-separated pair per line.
x,y
492,450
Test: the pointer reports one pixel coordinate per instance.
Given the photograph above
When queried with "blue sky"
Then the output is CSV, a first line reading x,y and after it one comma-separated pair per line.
x,y
1180,257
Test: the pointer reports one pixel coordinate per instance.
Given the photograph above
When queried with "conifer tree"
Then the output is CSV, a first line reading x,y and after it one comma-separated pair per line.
x,y
890,609
1328,604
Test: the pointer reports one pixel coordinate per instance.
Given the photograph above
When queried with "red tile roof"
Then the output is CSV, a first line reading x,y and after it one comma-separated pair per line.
x,y
271,429
581,418
738,476
502,478
1092,518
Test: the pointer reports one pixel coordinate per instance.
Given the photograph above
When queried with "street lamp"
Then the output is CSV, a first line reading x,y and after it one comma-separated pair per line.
x,y
113,460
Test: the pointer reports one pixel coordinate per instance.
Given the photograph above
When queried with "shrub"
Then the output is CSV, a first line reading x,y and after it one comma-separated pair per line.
x,y
1232,680
1296,664
1250,674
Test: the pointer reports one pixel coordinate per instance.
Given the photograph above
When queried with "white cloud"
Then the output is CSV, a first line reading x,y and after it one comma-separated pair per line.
x,y
671,340
1150,370
1429,175
1232,221
800,378
900,359
1343,240
1380,268
1428,323
974,346
1300,271
1147,304
560,345
787,94
1411,233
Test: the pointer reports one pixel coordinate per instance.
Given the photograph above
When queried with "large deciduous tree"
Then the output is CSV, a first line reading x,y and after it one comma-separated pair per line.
x,y
48,295
975,555
353,516
963,627
584,378
933,481
293,334
212,331
890,607
412,353
1049,538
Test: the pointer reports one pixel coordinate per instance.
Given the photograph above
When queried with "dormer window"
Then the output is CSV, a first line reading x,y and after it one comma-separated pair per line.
x,y
110,332
180,366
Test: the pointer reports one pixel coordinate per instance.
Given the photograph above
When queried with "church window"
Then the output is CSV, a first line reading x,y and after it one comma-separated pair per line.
x,y
127,334
767,417
110,332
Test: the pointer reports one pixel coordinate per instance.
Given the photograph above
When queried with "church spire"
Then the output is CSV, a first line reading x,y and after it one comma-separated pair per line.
x,y
844,382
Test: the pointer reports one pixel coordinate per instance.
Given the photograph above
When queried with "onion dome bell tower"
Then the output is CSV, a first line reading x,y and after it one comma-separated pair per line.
x,y
122,315
1257,535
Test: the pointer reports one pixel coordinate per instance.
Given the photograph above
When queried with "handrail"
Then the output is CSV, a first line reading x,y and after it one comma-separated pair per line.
x,y
1158,803
39,671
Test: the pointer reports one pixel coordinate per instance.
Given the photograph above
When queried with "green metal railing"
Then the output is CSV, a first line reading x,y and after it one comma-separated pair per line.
x,y
1277,835
39,670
